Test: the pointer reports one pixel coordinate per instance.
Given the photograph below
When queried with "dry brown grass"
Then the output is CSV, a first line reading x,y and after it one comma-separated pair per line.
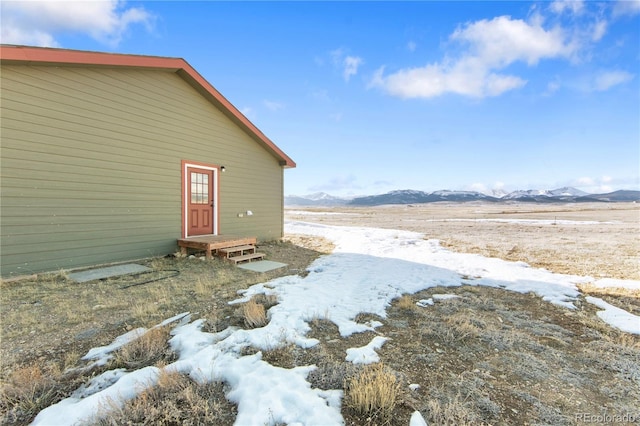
x,y
28,390
453,411
406,303
463,325
373,392
175,400
593,290
491,357
48,319
319,244
146,350
254,314
624,298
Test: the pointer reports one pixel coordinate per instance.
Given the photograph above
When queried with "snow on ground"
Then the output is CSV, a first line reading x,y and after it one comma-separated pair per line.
x,y
618,318
366,354
615,283
423,303
368,269
518,221
417,419
312,213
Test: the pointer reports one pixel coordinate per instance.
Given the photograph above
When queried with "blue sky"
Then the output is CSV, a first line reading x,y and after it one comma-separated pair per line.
x,y
368,97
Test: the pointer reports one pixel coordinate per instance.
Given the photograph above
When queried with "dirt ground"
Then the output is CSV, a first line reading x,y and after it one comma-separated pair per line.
x,y
488,357
558,237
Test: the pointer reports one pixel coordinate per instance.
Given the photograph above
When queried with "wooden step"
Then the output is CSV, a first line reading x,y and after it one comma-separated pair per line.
x,y
246,257
229,252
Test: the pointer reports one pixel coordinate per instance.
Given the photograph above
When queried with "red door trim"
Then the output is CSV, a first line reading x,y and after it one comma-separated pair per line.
x,y
184,164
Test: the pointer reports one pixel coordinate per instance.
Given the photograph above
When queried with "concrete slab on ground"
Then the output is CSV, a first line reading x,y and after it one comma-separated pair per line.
x,y
261,265
108,272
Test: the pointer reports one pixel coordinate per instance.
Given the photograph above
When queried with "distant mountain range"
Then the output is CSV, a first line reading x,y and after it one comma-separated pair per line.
x,y
317,199
407,196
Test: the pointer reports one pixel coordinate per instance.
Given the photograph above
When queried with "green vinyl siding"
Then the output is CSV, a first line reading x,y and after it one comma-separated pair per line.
x,y
91,166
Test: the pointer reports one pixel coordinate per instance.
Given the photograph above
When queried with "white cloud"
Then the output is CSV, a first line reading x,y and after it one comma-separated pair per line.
x,y
321,95
351,64
489,46
248,112
607,79
585,181
38,22
599,30
560,6
497,188
599,81
14,34
337,117
502,41
626,8
346,63
604,184
478,187
552,87
435,80
337,55
272,105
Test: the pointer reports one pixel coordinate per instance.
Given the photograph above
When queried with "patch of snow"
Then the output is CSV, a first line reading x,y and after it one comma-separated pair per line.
x,y
616,317
77,410
374,324
411,263
368,269
615,283
264,392
440,297
519,221
311,213
99,383
102,354
366,354
417,419
184,318
423,303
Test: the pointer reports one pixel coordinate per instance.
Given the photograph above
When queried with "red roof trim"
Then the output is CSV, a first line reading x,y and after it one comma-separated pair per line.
x,y
39,55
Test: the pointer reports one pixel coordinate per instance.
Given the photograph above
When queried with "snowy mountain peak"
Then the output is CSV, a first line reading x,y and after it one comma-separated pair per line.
x,y
450,193
315,199
567,191
560,192
319,196
498,193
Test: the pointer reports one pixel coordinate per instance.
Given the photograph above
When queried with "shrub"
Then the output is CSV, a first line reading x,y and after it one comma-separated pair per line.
x,y
254,314
28,391
406,303
374,392
175,400
331,374
145,350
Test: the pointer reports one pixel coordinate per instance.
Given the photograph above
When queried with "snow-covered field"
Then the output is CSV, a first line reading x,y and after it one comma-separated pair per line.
x,y
517,221
367,270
